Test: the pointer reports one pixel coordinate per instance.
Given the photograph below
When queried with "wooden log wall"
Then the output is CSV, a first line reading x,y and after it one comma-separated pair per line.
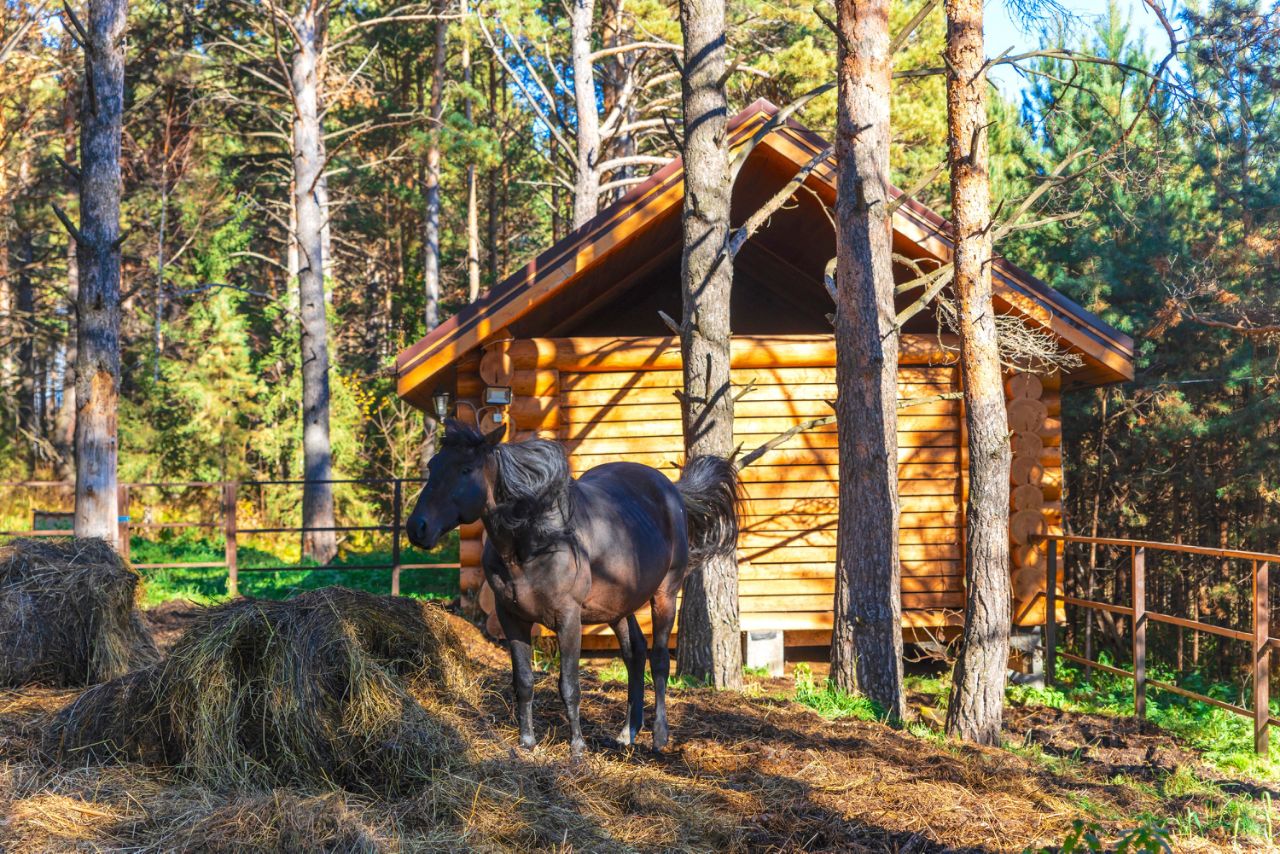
x,y
1035,423
613,399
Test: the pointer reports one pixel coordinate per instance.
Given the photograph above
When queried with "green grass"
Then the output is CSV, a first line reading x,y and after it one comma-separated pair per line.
x,y
829,701
1223,738
208,585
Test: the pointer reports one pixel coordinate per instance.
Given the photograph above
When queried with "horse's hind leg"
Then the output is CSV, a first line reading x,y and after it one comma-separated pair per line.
x,y
664,617
632,645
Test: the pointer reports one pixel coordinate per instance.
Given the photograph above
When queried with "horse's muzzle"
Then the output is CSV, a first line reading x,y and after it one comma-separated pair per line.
x,y
419,535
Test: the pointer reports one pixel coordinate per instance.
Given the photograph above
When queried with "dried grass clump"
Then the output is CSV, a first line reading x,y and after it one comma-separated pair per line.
x,y
333,687
68,614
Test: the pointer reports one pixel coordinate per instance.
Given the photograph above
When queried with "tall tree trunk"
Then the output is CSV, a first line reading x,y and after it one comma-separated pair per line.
x,y
28,391
431,187
65,427
473,212
709,646
586,191
309,161
978,681
98,300
866,646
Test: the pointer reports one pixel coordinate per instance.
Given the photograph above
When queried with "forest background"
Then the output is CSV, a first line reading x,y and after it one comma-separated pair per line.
x,y
1176,241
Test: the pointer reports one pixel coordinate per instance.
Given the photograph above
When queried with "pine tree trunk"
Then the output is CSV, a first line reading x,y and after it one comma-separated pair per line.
x,y
866,645
65,425
709,647
586,191
473,212
26,313
309,161
978,681
98,300
431,188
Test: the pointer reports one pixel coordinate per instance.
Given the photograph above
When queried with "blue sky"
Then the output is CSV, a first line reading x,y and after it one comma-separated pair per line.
x,y
1003,31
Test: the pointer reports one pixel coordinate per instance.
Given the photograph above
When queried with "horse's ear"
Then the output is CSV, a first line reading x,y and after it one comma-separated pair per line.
x,y
495,435
453,425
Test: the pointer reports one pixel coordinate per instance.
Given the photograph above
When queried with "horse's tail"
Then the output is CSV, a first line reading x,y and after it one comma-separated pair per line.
x,y
710,488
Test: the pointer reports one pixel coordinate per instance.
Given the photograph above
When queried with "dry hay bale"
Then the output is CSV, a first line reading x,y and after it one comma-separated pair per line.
x,y
333,687
68,614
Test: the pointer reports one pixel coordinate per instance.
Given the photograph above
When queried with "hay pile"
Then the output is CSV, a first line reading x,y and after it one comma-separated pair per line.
x,y
333,687
68,614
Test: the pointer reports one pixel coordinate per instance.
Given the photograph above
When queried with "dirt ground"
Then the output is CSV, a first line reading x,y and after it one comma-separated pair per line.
x,y
752,772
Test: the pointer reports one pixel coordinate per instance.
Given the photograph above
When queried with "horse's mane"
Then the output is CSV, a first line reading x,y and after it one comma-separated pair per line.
x,y
532,483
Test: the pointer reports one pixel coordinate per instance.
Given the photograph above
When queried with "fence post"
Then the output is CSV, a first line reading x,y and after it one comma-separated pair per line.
x,y
1051,614
1138,562
1261,656
122,519
395,539
230,500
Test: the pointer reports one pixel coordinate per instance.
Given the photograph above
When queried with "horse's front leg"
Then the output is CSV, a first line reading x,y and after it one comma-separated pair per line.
x,y
569,633
519,642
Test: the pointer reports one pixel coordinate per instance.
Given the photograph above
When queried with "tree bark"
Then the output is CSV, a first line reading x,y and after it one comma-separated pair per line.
x,y
866,645
586,191
308,164
473,212
65,424
978,681
709,646
98,300
431,188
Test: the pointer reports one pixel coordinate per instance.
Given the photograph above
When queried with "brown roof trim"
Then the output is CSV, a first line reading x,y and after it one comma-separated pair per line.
x,y
469,321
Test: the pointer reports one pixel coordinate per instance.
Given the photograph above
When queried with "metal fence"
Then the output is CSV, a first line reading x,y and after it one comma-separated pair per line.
x,y
228,524
1258,635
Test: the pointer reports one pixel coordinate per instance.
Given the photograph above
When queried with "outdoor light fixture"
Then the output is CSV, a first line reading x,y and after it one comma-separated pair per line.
x,y
497,395
441,402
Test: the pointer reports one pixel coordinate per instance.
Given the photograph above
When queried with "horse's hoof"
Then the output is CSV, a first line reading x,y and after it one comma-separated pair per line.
x,y
659,741
578,749
528,742
625,738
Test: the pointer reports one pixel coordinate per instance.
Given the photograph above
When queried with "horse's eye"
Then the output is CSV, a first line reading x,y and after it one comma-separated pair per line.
x,y
468,469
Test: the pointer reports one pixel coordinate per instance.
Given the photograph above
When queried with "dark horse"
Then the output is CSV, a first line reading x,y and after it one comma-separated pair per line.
x,y
565,552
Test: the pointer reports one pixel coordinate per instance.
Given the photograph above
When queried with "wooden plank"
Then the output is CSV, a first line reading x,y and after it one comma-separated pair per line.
x,y
767,587
762,392
583,354
773,375
768,426
910,503
944,459
804,602
625,408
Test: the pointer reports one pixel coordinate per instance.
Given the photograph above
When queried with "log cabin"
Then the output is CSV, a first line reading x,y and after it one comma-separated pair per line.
x,y
576,341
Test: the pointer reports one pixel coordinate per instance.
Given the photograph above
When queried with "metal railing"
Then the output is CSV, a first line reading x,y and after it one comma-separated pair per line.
x,y
228,523
1258,636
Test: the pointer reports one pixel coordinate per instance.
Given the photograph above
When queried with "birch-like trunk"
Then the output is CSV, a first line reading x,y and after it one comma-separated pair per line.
x,y
308,203
431,183
586,190
98,300
978,681
473,212
64,433
866,644
709,646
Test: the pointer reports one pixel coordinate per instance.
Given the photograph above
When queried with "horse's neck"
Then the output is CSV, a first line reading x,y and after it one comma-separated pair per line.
x,y
508,541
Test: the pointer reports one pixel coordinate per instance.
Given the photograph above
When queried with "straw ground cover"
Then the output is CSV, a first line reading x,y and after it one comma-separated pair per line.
x,y
67,614
753,772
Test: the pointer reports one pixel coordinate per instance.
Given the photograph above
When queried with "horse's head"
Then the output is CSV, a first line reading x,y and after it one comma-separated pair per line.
x,y
458,487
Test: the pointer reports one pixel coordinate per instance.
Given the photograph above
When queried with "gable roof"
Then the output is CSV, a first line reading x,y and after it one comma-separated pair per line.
x,y
1107,353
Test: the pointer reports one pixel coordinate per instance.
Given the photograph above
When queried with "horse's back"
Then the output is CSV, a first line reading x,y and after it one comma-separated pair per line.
x,y
632,525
